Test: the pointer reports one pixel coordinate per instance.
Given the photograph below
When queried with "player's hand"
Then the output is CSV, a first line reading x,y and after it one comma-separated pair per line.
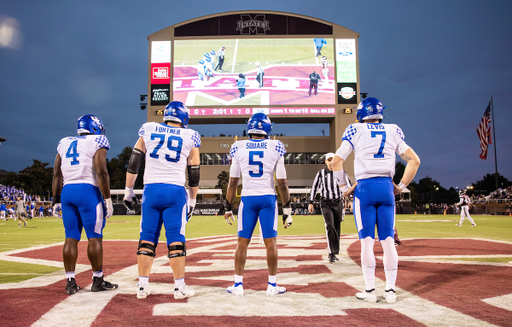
x,y
57,207
228,217
311,208
130,200
228,213
287,216
350,190
191,206
396,189
110,208
397,240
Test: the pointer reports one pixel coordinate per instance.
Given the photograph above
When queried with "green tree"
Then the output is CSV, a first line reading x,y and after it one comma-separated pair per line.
x,y
117,168
36,179
488,183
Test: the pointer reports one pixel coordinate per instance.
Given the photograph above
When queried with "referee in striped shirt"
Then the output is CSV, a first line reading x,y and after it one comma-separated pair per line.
x,y
331,204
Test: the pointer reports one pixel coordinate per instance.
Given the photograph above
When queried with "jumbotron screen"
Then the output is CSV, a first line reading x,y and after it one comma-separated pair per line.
x,y
253,72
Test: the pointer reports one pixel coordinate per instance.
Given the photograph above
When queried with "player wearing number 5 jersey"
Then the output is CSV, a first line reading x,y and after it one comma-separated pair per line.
x,y
257,159
170,150
80,177
374,145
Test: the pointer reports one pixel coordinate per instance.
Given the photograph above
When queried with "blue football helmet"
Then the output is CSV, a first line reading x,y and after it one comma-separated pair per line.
x,y
201,62
260,124
177,112
90,124
212,53
369,108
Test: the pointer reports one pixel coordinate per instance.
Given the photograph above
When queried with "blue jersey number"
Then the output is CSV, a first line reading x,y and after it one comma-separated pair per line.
x,y
177,147
73,153
382,143
254,162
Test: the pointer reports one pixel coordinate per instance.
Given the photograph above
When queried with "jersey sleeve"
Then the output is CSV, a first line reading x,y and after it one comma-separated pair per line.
x,y
196,139
280,148
142,130
349,133
280,169
102,142
400,137
234,150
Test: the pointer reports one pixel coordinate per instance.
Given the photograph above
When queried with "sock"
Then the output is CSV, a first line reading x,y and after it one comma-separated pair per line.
x,y
239,279
70,274
179,282
390,261
98,274
272,280
143,280
368,262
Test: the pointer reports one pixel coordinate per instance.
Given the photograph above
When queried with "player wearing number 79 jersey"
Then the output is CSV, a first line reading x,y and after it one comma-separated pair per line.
x,y
374,145
170,150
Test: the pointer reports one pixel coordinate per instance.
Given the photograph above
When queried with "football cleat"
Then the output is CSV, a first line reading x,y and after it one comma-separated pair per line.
x,y
71,286
237,289
458,225
142,291
368,296
100,285
183,291
473,225
332,258
273,289
390,296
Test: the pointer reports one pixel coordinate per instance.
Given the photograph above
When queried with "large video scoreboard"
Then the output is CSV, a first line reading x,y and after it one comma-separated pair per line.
x,y
237,64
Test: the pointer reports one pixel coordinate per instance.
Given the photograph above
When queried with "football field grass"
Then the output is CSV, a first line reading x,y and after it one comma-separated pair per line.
x,y
41,231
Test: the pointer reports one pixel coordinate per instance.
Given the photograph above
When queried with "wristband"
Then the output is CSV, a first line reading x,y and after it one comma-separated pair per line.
x,y
56,199
287,205
402,186
227,206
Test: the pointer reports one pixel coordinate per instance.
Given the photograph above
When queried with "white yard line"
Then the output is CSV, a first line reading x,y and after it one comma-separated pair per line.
x,y
234,57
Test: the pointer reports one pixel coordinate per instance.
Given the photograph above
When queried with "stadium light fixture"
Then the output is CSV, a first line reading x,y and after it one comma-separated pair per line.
x,y
143,106
364,95
2,139
142,97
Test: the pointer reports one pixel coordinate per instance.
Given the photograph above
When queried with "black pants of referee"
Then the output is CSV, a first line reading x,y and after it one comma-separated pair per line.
x,y
332,211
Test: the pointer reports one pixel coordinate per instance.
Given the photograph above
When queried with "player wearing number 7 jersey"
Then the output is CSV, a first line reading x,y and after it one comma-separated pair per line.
x,y
257,159
170,150
79,175
374,145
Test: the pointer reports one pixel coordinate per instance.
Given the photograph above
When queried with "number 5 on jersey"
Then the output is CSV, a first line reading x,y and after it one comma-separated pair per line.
x,y
254,162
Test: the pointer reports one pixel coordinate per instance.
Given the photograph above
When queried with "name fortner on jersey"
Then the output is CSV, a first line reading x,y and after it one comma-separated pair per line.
x,y
77,158
167,152
375,145
257,160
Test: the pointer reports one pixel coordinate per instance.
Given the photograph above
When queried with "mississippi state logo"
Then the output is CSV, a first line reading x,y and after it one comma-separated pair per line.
x,y
252,25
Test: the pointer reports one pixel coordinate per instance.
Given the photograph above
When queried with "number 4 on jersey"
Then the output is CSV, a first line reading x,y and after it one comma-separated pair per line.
x,y
73,153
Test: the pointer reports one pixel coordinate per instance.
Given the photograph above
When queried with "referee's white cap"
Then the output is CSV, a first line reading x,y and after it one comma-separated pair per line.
x,y
329,155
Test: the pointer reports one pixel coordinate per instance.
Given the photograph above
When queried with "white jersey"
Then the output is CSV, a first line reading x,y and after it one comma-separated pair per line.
x,y
374,145
257,161
77,158
167,151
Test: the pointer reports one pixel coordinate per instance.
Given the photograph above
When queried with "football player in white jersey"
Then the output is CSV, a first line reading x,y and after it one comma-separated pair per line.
x,y
170,150
257,159
374,145
464,209
80,178
325,69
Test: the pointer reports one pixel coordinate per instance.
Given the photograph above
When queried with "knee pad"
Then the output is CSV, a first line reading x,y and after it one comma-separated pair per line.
x,y
176,247
146,246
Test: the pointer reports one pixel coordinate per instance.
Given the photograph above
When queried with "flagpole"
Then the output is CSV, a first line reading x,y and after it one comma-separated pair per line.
x,y
494,137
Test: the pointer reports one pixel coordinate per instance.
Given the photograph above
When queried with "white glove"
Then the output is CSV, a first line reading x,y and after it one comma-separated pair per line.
x,y
110,208
191,205
57,207
287,217
130,200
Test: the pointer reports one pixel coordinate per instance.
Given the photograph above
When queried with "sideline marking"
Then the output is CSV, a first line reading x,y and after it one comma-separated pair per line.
x,y
234,57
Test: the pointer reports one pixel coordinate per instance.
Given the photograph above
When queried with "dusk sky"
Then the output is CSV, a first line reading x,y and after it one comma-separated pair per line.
x,y
434,64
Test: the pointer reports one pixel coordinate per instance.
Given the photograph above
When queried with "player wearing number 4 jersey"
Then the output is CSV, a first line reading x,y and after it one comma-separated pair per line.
x,y
257,159
170,150
80,177
375,145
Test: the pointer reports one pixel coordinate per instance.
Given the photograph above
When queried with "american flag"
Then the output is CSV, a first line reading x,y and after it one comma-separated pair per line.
x,y
484,132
